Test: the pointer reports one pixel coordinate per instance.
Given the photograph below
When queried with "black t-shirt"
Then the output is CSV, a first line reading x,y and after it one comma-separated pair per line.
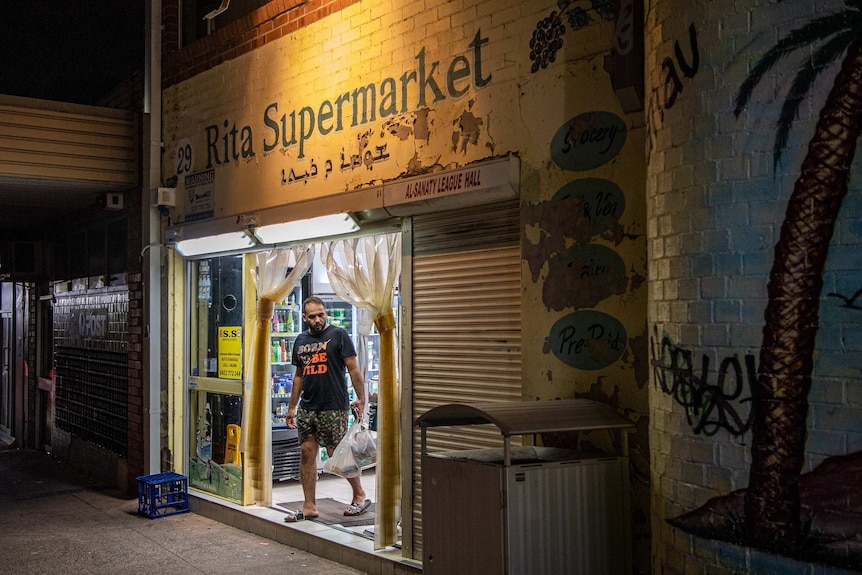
x,y
320,362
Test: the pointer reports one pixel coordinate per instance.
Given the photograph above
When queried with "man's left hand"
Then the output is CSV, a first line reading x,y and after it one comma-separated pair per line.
x,y
358,405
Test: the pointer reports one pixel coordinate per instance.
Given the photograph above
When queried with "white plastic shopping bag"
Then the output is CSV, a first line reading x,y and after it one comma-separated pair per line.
x,y
356,451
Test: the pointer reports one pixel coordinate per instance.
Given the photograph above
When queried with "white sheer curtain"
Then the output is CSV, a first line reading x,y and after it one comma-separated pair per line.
x,y
363,272
278,271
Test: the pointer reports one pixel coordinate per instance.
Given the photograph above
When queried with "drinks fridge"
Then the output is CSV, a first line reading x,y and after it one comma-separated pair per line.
x,y
286,325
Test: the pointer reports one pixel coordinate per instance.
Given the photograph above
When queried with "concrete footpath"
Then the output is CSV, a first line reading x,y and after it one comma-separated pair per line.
x,y
53,519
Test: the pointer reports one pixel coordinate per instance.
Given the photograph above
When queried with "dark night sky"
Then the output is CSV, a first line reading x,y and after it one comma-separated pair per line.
x,y
70,51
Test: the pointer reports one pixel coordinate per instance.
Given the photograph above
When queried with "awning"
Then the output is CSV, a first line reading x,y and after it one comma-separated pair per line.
x,y
522,417
527,418
374,208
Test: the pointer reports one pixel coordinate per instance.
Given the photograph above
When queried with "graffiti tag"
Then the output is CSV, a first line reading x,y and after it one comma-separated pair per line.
x,y
708,408
671,79
673,85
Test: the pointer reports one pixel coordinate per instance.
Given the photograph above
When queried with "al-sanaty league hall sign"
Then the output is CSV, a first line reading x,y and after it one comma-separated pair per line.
x,y
497,178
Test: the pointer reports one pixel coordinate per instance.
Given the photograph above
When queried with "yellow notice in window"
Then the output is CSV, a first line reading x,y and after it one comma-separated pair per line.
x,y
230,352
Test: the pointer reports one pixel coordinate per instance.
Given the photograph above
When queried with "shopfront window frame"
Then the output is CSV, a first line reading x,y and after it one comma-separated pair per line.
x,y
201,384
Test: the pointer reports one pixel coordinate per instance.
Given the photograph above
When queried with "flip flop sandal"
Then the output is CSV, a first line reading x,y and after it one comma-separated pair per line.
x,y
295,516
357,508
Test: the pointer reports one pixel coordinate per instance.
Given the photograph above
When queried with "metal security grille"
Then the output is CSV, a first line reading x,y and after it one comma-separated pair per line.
x,y
465,324
92,396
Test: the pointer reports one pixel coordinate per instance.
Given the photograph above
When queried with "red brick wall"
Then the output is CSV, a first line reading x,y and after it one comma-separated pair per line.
x,y
137,324
268,23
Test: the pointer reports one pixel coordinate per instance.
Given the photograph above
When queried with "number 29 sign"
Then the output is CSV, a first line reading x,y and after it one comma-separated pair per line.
x,y
184,157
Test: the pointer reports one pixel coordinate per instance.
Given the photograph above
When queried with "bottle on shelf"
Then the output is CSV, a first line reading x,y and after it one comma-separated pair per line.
x,y
291,325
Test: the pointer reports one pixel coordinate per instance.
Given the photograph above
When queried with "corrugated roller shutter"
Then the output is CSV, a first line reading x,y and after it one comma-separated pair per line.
x,y
75,144
466,324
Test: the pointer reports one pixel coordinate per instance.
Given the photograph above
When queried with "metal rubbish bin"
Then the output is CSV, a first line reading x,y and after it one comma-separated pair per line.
x,y
525,509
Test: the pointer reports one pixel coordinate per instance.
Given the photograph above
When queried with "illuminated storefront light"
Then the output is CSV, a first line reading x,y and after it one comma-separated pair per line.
x,y
322,226
231,241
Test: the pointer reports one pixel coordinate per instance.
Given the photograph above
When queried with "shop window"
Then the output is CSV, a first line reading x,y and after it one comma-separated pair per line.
x,y
217,318
214,463
97,253
215,367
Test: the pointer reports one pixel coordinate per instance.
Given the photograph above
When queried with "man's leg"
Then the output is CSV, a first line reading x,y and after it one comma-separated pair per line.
x,y
332,426
308,474
355,484
358,492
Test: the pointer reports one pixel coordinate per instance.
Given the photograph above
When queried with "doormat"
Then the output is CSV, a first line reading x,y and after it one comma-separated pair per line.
x,y
331,512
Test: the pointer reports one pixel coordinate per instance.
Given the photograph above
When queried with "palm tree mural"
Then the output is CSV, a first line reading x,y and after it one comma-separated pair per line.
x,y
780,398
770,505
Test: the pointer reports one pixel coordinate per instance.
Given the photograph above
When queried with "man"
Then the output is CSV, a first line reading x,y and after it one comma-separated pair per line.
x,y
319,403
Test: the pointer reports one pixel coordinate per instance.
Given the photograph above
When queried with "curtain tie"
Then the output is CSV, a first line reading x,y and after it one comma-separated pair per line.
x,y
385,321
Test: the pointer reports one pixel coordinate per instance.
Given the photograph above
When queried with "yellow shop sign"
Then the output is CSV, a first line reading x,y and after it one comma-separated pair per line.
x,y
230,352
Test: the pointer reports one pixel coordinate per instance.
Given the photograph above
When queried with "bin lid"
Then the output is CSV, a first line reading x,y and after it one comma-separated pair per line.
x,y
527,417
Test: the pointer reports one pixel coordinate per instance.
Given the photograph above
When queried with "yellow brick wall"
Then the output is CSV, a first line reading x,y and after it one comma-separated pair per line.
x,y
520,112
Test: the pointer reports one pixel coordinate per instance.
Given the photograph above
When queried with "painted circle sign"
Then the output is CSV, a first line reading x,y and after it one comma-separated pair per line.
x,y
602,201
588,141
588,339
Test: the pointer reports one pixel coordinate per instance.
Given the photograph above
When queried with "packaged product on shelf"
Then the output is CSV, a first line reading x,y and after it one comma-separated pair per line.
x,y
372,412
291,322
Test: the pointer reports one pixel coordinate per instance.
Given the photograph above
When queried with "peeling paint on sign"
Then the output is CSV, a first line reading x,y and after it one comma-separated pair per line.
x,y
469,128
602,201
583,276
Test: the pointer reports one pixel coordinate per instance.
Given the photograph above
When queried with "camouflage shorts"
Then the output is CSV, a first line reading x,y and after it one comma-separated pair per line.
x,y
327,426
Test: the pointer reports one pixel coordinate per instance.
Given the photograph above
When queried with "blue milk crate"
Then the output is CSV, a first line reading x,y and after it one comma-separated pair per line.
x,y
163,494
